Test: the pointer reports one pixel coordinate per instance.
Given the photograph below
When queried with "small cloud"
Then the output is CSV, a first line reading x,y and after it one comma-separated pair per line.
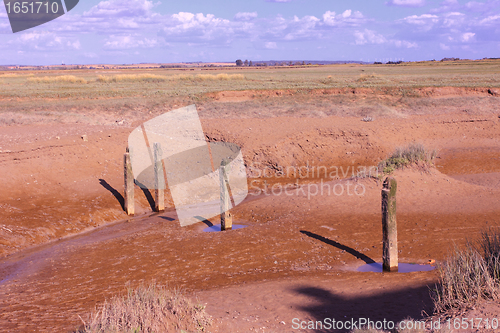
x,y
270,45
490,20
74,45
245,16
121,8
446,6
129,42
348,17
91,55
368,37
453,19
444,47
482,6
329,18
423,19
406,3
404,43
467,37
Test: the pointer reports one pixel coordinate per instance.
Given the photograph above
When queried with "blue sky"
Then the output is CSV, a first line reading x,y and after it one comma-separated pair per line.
x,y
141,31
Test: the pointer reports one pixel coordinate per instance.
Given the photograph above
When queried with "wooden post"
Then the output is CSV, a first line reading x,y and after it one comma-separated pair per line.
x,y
129,184
226,220
159,179
389,226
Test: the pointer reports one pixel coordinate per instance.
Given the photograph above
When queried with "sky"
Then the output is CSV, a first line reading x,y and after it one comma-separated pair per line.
x,y
166,31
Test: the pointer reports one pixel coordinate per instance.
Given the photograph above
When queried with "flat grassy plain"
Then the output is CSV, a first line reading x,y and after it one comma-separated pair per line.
x,y
70,95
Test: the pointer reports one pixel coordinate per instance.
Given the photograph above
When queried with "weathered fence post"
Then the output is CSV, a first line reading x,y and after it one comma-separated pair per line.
x,y
389,226
129,184
226,220
159,179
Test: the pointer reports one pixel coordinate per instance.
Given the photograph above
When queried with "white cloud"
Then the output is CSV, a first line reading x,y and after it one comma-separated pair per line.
x,y
446,6
404,43
42,41
120,8
453,19
329,18
301,28
476,6
406,3
371,37
347,13
74,45
189,27
270,45
245,16
129,42
344,19
368,37
490,20
111,17
444,47
424,19
90,55
467,37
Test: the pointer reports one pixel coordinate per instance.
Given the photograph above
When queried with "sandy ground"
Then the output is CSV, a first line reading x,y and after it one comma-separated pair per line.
x,y
298,255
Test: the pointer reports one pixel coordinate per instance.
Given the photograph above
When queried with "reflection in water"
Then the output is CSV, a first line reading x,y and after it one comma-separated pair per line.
x,y
217,227
402,268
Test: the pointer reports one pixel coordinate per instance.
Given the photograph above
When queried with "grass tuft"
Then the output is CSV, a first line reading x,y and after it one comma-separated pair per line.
x,y
56,79
469,276
405,156
148,309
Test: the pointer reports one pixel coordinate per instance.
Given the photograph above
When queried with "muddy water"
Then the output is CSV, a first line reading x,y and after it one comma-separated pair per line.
x,y
479,166
25,263
402,268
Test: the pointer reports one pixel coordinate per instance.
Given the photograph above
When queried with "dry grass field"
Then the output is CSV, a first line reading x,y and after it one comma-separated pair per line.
x,y
67,246
49,96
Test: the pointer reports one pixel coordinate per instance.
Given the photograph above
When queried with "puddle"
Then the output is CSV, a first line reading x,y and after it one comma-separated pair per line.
x,y
217,227
402,268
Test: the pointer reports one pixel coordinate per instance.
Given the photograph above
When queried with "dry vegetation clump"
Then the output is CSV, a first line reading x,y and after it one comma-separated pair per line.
x,y
148,309
132,78
367,77
57,79
161,78
8,75
209,77
469,276
405,156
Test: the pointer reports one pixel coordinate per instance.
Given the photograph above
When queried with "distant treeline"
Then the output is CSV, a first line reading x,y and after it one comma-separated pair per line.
x,y
251,63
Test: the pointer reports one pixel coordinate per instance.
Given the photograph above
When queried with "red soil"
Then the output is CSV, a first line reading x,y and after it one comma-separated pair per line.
x,y
297,257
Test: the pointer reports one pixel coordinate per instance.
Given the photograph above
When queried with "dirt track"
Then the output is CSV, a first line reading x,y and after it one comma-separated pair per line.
x,y
304,248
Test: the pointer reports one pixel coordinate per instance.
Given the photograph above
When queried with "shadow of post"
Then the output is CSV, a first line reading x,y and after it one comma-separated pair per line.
x,y
349,250
113,191
204,220
147,194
